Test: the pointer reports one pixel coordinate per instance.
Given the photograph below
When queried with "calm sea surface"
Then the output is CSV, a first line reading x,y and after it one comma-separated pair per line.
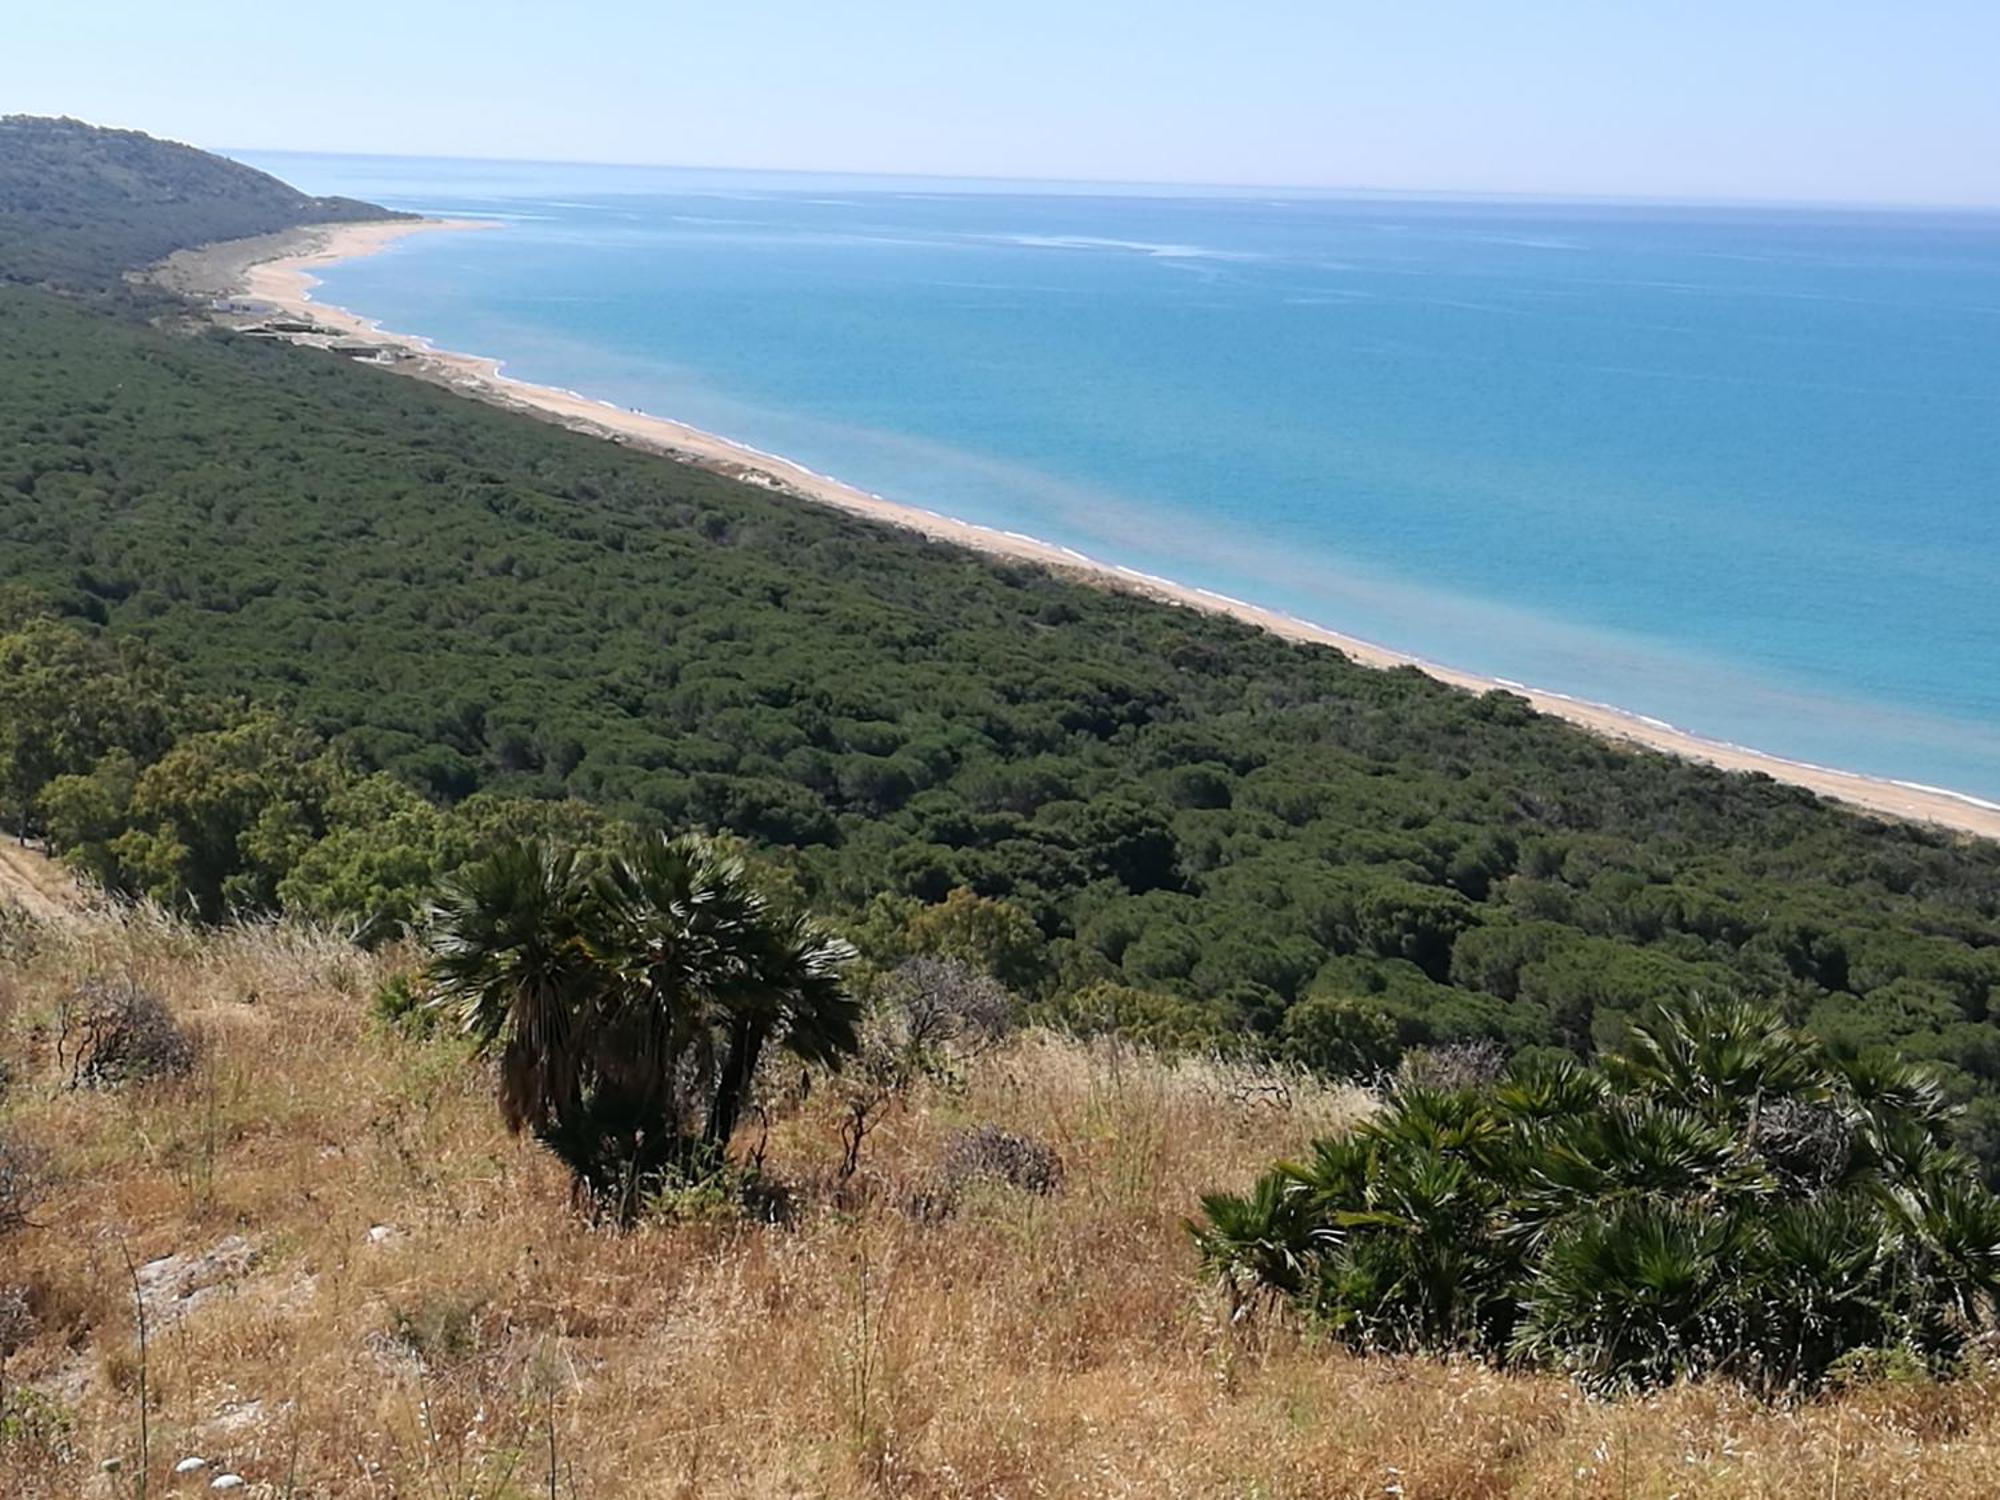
x,y
1736,469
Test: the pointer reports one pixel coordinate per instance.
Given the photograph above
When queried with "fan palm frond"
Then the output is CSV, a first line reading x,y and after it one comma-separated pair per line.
x,y
511,962
1718,1057
1549,1089
629,1010
1336,1175
1263,1240
1636,1296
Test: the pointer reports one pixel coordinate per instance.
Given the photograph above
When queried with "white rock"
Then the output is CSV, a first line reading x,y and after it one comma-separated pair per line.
x,y
190,1465
226,1482
381,1234
175,1284
231,1420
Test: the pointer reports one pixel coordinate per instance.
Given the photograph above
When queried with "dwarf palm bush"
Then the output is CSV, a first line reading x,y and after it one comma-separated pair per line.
x,y
1265,1241
628,1008
1718,1196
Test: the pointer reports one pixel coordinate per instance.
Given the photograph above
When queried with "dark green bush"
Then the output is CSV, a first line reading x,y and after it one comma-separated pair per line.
x,y
402,1003
1336,1035
1721,1196
627,1008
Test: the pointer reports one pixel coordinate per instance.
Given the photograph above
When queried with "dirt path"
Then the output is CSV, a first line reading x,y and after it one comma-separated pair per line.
x,y
36,884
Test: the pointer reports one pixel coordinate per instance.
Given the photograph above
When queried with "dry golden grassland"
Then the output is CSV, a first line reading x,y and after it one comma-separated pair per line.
x,y
413,1310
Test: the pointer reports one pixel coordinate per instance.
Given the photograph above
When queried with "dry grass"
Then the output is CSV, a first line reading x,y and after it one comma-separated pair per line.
x,y
1021,1347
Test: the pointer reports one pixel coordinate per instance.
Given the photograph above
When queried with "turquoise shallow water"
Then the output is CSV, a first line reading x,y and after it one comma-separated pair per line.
x,y
1736,469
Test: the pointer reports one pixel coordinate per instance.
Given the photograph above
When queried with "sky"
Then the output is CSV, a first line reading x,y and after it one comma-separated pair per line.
x,y
1856,101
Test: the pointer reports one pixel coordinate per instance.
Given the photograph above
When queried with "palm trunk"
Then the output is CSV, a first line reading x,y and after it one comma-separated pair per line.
x,y
732,1089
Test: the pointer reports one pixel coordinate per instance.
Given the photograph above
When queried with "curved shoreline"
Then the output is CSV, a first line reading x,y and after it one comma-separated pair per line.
x,y
276,271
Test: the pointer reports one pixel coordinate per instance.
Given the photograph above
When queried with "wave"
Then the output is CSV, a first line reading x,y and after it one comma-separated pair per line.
x,y
1150,248
1945,791
493,214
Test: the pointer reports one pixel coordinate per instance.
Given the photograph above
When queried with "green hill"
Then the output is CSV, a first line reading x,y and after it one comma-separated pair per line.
x,y
80,205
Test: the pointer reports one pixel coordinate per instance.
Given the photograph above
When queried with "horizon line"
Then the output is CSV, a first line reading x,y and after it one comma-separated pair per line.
x,y
1164,187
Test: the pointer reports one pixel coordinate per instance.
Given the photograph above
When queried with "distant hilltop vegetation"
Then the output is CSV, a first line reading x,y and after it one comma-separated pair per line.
x,y
81,205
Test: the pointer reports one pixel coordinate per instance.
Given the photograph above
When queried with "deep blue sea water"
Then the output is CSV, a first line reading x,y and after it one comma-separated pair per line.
x,y
1734,468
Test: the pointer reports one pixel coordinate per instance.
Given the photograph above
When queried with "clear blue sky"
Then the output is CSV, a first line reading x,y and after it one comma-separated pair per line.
x,y
1853,100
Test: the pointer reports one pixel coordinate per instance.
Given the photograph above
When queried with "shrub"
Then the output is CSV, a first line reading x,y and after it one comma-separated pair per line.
x,y
930,1018
113,1031
35,1427
17,1322
942,1005
1340,1036
440,1329
1720,1197
628,1006
1165,1023
24,1182
726,1194
987,935
990,1154
20,934
402,1004
1454,1065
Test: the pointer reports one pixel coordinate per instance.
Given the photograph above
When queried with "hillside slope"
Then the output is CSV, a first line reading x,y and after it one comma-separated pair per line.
x,y
278,615
357,1285
80,205
31,883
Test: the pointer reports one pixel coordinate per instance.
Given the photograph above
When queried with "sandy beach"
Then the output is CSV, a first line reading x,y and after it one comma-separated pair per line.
x,y
276,271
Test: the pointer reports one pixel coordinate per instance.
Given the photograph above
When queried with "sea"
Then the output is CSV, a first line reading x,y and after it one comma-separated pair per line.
x,y
1732,468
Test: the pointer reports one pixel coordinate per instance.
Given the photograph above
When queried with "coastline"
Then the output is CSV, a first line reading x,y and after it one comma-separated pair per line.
x,y
276,272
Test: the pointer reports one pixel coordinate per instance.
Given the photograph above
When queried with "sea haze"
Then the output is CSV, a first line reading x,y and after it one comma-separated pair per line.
x,y
1736,469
